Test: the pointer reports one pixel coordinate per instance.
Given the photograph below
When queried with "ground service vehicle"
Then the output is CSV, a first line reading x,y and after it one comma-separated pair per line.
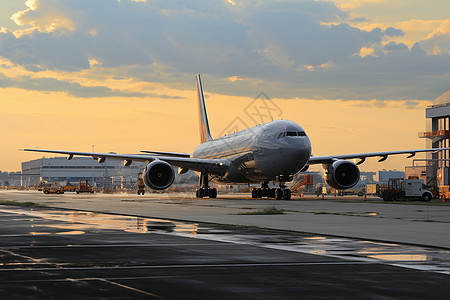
x,y
70,188
304,180
84,187
375,189
141,187
399,189
53,190
444,192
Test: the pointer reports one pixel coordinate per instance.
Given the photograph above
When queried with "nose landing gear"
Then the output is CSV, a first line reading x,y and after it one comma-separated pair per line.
x,y
205,190
283,193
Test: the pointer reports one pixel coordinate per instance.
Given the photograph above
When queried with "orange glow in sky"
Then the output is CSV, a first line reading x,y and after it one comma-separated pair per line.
x,y
355,74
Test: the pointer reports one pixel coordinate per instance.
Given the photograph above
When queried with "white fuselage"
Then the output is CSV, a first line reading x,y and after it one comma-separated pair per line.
x,y
260,153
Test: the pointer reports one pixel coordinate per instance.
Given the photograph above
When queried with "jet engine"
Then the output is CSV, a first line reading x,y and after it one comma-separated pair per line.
x,y
342,174
158,175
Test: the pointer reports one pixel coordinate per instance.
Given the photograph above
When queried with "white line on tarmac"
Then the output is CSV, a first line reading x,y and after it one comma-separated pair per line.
x,y
97,268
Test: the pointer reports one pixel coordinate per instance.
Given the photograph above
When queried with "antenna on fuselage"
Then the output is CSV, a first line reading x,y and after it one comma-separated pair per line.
x,y
205,134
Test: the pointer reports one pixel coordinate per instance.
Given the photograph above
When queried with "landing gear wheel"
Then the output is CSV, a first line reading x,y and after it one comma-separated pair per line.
x,y
287,194
273,193
212,193
279,194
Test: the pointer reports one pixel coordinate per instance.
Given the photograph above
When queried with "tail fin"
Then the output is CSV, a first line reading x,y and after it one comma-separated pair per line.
x,y
205,135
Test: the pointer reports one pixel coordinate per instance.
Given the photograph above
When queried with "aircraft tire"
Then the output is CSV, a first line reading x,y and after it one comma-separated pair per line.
x,y
287,195
258,193
273,193
279,194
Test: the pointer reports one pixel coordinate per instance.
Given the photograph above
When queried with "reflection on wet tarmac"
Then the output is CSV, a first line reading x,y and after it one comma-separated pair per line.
x,y
68,222
399,257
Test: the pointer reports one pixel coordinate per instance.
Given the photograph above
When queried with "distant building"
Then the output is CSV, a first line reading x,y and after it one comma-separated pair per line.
x,y
61,169
438,136
384,176
109,174
368,177
9,179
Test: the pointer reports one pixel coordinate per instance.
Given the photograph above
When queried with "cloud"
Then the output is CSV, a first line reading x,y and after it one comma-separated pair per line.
x,y
71,88
393,46
286,48
391,31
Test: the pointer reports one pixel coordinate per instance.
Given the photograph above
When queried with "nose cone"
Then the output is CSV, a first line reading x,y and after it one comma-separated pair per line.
x,y
285,149
296,154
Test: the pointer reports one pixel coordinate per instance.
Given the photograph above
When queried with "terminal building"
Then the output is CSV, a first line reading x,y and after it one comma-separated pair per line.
x,y
438,136
60,169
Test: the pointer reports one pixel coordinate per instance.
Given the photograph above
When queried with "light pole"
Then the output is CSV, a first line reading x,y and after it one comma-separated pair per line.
x,y
92,183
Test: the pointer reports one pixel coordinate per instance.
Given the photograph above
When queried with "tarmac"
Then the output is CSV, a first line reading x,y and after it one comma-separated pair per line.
x,y
418,223
172,246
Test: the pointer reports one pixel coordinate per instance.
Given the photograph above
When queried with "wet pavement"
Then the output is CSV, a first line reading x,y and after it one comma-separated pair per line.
x,y
56,253
406,223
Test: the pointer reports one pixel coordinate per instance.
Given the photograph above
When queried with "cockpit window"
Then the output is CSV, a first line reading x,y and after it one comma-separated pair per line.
x,y
291,133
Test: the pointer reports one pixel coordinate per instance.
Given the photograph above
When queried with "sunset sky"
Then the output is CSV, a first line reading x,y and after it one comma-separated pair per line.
x,y
356,74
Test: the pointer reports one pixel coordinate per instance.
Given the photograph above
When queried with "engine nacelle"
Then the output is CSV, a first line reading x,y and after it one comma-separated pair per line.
x,y
342,174
158,175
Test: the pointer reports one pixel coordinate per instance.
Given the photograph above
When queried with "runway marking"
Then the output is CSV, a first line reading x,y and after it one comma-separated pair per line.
x,y
119,285
38,261
190,266
105,246
321,252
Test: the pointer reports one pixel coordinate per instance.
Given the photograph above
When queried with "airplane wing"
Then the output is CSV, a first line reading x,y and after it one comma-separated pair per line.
x,y
213,166
362,156
174,154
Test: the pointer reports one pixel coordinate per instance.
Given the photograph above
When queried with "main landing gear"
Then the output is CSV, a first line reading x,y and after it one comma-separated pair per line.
x,y
205,190
281,193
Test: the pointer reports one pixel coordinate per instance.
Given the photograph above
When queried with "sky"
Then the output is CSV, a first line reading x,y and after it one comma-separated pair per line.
x,y
118,76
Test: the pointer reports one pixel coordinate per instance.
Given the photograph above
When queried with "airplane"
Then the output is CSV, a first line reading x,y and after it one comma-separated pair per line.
x,y
273,151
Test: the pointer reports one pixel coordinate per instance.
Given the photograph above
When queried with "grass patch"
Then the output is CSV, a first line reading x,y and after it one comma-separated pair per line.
x,y
265,211
21,204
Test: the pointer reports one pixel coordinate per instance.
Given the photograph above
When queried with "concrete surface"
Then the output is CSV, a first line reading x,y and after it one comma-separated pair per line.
x,y
66,254
419,224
